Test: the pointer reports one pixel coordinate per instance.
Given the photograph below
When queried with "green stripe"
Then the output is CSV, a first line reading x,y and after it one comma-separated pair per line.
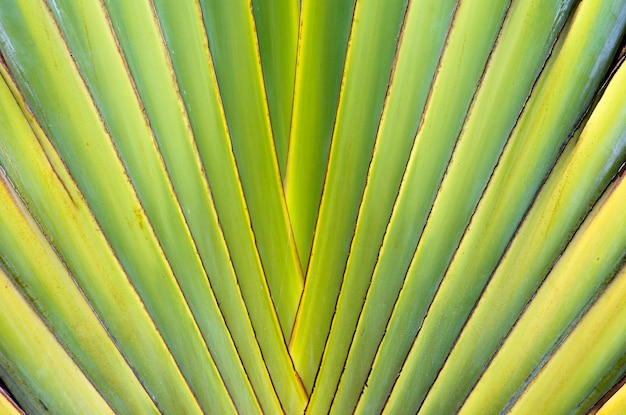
x,y
184,33
420,49
29,369
591,351
85,146
589,262
581,174
47,284
233,45
447,104
542,130
603,388
323,39
475,155
277,23
61,211
139,147
376,27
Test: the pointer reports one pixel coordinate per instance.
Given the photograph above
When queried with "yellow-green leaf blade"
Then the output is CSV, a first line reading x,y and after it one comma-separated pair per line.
x,y
156,150
419,51
590,260
543,128
233,45
376,27
323,39
604,389
593,348
7,405
184,33
476,153
576,181
45,280
61,211
616,404
449,99
277,23
54,86
33,358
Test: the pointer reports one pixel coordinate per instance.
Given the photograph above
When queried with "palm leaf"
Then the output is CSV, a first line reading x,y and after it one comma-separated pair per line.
x,y
406,206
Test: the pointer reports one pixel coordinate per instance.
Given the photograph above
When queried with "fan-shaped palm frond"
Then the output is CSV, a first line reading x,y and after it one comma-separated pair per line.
x,y
354,206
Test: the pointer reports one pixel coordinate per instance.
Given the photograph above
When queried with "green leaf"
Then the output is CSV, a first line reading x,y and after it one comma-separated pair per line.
x,y
592,349
277,24
46,283
576,181
359,206
418,54
588,263
59,208
233,45
376,26
323,38
530,152
85,146
31,368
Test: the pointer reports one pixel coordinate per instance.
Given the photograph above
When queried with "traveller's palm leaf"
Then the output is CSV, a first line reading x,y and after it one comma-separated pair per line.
x,y
312,207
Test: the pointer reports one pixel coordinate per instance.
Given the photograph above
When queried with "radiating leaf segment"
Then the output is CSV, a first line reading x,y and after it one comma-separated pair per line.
x,y
315,207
